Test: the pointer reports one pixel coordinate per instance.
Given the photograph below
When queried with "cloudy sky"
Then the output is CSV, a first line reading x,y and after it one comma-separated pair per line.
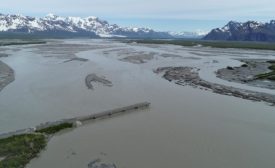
x,y
173,15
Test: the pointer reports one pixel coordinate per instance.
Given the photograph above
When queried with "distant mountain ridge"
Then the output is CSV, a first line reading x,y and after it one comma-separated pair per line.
x,y
53,25
247,31
196,34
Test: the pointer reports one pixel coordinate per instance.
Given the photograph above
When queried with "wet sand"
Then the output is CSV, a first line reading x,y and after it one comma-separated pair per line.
x,y
190,76
138,59
94,78
3,55
6,75
247,72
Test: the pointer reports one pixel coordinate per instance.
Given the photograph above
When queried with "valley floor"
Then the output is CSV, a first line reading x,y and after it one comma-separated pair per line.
x,y
187,125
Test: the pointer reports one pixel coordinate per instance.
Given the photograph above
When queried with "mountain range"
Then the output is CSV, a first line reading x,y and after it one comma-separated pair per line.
x,y
93,27
52,26
244,31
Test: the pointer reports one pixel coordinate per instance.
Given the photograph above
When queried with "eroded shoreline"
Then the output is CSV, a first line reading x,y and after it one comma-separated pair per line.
x,y
247,73
190,76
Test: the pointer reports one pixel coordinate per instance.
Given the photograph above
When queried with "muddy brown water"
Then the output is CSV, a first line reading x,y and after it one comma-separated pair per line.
x,y
184,127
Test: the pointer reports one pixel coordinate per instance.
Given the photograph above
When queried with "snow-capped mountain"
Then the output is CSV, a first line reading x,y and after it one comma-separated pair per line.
x,y
196,35
247,31
53,25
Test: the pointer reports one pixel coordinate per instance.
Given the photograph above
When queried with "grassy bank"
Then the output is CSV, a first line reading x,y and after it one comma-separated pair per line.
x,y
55,129
268,75
215,44
7,42
17,151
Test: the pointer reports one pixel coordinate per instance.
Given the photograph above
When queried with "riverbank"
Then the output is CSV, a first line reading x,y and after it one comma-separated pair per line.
x,y
8,42
190,76
214,44
17,151
18,148
6,75
253,72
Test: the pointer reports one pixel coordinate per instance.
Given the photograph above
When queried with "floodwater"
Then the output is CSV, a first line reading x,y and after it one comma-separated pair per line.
x,y
184,127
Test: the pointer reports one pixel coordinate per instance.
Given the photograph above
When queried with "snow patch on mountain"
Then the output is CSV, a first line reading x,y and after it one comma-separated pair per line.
x,y
185,34
52,23
244,31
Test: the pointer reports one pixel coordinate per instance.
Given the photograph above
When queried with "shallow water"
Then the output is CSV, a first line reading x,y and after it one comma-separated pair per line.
x,y
184,127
